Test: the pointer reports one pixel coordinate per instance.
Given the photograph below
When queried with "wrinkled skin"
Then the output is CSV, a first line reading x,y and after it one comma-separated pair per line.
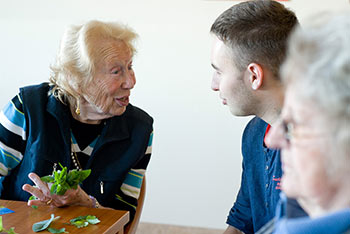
x,y
41,190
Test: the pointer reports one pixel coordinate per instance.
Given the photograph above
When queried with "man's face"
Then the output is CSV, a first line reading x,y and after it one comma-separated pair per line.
x,y
305,143
113,79
229,81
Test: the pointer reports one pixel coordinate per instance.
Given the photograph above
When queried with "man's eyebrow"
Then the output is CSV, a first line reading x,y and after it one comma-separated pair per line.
x,y
215,67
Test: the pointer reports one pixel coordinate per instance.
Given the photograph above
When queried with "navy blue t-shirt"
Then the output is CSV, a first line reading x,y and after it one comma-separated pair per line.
x,y
260,185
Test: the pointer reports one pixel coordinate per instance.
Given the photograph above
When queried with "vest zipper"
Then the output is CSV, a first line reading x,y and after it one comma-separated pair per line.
x,y
101,187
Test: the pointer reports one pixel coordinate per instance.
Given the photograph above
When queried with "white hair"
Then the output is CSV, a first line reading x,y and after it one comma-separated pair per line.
x,y
318,63
75,62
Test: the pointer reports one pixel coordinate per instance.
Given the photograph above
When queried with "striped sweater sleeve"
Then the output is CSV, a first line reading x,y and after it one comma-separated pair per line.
x,y
12,136
131,187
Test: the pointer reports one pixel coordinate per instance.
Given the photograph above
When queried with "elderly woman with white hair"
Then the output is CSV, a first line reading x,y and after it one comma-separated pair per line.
x,y
314,131
81,119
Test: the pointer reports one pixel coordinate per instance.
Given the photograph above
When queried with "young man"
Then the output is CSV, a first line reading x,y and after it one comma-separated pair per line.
x,y
249,46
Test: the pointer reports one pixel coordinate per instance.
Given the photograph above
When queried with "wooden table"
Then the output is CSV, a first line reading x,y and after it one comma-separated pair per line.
x,y
112,221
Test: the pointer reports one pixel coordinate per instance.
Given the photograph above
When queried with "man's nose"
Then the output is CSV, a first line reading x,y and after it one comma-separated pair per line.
x,y
215,83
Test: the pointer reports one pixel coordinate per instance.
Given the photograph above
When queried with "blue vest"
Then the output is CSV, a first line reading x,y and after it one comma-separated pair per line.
x,y
122,143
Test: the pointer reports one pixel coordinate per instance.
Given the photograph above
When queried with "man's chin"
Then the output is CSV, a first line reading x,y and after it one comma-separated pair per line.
x,y
237,112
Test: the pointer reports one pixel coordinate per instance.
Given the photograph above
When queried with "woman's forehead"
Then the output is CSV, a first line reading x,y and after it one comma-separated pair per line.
x,y
296,105
303,110
112,50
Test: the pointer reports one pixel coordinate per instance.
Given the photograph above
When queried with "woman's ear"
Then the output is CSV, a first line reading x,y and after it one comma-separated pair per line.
x,y
256,75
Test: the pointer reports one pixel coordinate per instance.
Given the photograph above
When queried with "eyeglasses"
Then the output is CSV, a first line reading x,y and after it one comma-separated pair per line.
x,y
289,132
288,129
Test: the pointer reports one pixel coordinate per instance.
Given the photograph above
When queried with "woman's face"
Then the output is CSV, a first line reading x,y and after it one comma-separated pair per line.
x,y
113,79
305,142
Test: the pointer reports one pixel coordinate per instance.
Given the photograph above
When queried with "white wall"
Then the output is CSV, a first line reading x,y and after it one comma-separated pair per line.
x,y
195,169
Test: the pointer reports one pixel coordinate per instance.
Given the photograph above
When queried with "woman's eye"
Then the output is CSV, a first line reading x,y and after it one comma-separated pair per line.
x,y
288,130
116,72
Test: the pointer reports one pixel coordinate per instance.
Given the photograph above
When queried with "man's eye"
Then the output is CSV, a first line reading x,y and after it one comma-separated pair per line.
x,y
116,72
130,67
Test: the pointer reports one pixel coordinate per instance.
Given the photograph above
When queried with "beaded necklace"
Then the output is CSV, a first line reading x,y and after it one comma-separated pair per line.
x,y
75,149
74,156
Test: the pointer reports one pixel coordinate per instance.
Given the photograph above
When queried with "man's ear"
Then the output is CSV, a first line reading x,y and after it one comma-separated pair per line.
x,y
256,75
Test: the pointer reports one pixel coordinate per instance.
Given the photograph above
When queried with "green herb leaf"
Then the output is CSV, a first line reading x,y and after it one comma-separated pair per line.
x,y
10,231
42,225
80,223
92,219
83,221
78,218
48,179
53,188
32,198
54,230
62,180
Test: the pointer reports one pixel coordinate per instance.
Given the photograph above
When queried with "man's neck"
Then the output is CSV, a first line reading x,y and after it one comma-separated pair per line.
x,y
271,104
270,115
271,109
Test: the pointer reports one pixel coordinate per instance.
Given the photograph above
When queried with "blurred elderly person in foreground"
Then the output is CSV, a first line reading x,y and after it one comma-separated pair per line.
x,y
314,131
81,119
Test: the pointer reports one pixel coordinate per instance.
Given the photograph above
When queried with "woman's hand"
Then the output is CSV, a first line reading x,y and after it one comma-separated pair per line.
x,y
41,191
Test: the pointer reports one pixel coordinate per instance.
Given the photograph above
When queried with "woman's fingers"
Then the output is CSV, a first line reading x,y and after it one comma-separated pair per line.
x,y
42,199
41,191
38,202
40,184
34,191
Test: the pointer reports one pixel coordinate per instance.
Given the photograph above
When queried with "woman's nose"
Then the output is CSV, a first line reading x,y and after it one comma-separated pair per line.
x,y
130,81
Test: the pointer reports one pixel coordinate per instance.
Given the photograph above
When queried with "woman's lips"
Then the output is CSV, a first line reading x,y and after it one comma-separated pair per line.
x,y
124,101
285,167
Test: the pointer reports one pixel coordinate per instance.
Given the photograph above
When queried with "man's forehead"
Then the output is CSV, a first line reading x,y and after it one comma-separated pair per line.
x,y
218,44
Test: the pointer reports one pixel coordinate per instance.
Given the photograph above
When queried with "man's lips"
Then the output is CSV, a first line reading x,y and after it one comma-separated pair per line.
x,y
224,101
